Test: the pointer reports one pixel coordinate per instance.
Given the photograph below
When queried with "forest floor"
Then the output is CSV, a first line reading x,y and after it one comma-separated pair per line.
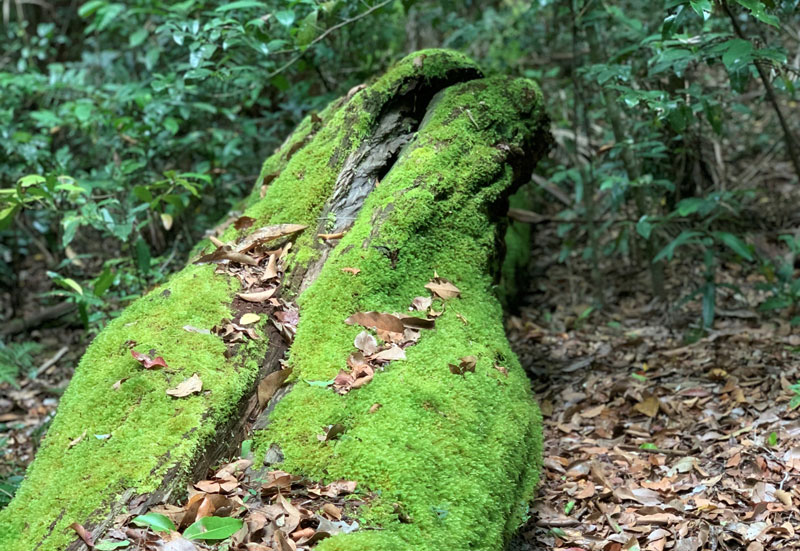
x,y
653,439
656,436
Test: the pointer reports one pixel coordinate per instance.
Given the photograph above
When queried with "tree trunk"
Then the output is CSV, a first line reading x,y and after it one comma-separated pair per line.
x,y
398,183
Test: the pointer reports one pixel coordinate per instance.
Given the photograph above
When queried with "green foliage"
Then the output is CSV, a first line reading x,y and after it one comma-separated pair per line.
x,y
17,358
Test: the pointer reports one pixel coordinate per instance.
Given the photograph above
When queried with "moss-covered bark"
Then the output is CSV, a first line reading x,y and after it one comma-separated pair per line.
x,y
458,454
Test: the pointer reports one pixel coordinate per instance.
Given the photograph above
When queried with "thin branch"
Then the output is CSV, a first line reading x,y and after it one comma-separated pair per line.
x,y
324,35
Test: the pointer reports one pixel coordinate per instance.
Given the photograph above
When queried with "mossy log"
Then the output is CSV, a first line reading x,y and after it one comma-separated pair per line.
x,y
414,172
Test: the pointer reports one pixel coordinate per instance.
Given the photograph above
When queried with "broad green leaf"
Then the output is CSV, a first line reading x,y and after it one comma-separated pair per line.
x,y
137,38
31,180
285,17
702,8
90,7
738,54
242,5
70,225
70,283
759,11
735,244
83,111
103,282
110,545
684,238
155,521
213,528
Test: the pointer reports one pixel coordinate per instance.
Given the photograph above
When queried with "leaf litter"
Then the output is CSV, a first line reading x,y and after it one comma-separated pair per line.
x,y
656,445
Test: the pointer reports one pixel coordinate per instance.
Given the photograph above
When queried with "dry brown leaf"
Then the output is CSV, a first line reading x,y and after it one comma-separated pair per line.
x,y
271,271
443,288
353,271
390,354
366,343
83,533
259,296
466,364
243,222
266,234
249,318
332,511
384,322
421,303
192,385
270,384
648,406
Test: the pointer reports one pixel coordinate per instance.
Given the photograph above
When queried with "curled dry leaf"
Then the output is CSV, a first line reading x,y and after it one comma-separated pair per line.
x,y
192,385
354,271
225,253
271,271
259,296
83,533
148,362
443,288
270,384
266,234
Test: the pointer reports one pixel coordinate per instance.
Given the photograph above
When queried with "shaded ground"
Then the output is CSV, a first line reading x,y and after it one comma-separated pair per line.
x,y
723,448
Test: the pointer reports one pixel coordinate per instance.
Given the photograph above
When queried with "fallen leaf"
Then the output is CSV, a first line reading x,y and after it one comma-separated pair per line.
x,y
148,362
390,354
270,384
83,533
271,271
259,296
443,288
75,442
332,511
192,385
375,407
385,322
648,406
266,234
467,364
243,222
249,318
354,271
366,343
421,303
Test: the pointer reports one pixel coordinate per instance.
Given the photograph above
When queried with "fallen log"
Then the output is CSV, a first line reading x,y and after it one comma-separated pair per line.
x,y
428,411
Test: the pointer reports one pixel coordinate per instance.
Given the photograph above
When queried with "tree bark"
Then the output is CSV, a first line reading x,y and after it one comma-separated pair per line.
x,y
406,180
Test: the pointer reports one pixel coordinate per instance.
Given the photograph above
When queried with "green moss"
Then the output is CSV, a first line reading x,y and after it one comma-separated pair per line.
x,y
460,454
66,483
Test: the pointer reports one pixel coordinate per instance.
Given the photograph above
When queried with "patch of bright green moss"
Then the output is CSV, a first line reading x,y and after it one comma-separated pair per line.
x,y
459,454
126,433
67,483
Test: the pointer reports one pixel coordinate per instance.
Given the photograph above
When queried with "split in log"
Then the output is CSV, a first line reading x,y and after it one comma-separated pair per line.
x,y
443,436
